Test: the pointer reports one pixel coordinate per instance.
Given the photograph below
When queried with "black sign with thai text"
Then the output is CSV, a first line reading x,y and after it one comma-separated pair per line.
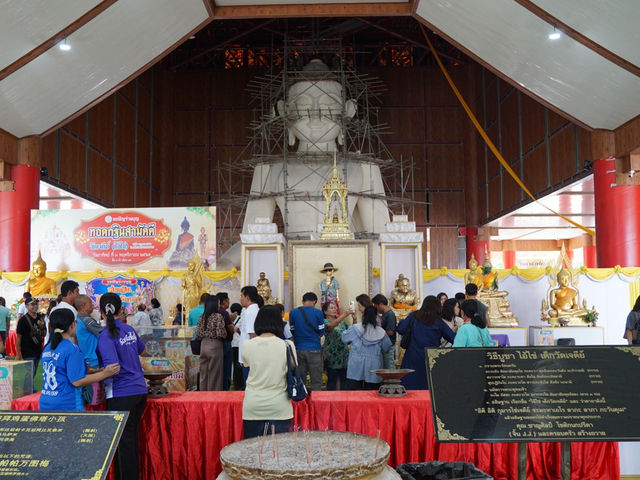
x,y
541,394
45,445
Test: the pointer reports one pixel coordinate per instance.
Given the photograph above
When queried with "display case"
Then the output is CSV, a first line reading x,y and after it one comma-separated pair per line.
x,y
16,380
168,347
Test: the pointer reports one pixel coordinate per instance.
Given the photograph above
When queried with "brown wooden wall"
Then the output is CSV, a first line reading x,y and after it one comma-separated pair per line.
x,y
112,153
543,148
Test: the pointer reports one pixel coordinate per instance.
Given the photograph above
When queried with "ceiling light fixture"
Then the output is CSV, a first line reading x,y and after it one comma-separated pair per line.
x,y
64,46
555,35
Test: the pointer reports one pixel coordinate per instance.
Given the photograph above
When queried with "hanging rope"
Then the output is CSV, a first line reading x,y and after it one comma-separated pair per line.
x,y
492,147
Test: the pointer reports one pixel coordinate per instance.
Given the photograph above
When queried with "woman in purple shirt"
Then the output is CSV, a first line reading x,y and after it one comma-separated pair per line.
x,y
127,391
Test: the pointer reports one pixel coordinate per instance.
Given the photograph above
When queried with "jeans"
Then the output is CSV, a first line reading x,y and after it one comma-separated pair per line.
x,y
311,361
335,374
226,365
245,374
255,428
126,459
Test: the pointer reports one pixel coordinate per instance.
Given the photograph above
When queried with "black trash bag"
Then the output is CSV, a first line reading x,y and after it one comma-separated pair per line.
x,y
441,471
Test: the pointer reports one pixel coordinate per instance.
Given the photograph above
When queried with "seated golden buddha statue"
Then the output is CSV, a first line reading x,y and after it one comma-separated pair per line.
x,y
564,306
498,313
474,275
403,299
39,284
265,293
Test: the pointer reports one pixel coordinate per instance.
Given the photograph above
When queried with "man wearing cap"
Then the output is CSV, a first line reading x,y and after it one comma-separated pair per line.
x,y
329,287
307,327
29,334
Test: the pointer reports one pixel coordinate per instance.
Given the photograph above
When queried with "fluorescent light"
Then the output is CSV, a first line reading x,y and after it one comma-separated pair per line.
x,y
555,35
64,46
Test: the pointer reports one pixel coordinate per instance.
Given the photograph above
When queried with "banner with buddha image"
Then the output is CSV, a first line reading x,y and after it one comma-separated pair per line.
x,y
124,239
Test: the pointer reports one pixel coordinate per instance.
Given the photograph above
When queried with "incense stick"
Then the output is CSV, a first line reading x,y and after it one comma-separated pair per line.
x,y
377,443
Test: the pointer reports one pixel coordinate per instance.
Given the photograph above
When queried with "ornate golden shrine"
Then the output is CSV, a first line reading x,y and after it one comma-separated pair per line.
x,y
335,225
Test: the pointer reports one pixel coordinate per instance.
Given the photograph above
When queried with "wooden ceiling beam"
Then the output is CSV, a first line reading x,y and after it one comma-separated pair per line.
x,y
579,37
55,39
383,9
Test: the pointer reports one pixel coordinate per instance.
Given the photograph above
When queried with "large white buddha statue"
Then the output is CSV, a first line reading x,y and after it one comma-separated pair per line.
x,y
316,111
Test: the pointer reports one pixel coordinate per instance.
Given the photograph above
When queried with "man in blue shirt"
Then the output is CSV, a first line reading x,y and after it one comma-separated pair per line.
x,y
307,326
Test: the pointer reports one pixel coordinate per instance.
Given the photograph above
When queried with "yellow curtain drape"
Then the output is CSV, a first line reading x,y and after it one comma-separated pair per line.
x,y
532,274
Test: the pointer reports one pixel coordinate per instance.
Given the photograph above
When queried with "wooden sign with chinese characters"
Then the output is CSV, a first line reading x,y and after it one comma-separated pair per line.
x,y
46,445
538,394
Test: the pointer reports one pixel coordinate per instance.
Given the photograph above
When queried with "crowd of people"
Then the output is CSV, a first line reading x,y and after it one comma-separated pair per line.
x,y
243,346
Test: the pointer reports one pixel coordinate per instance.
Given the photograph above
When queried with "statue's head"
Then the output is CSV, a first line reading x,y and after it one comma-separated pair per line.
x,y
185,225
191,266
39,266
563,277
400,277
314,106
404,285
473,263
262,274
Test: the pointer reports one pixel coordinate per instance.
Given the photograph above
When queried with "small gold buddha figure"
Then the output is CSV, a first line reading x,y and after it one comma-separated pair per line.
x,y
403,298
262,281
564,302
474,275
39,284
264,289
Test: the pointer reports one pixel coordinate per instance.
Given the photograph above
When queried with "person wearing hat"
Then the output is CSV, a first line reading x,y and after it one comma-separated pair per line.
x,y
329,287
30,332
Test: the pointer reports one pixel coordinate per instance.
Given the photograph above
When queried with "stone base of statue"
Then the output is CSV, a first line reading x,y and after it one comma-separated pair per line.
x,y
336,231
498,313
566,321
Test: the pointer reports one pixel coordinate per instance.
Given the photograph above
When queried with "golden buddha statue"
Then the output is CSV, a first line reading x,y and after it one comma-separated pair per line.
x,y
474,275
265,293
264,290
193,283
498,313
564,306
39,284
403,298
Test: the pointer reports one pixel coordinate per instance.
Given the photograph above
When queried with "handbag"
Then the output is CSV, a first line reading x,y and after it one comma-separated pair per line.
x,y
406,338
296,389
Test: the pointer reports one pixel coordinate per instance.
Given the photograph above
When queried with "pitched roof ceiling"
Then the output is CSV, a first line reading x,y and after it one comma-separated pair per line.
x,y
591,73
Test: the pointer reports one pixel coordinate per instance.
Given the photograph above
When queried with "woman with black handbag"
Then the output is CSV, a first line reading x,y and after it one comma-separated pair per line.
x,y
266,400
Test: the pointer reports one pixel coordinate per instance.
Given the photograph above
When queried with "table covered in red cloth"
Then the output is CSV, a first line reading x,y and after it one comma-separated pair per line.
x,y
182,434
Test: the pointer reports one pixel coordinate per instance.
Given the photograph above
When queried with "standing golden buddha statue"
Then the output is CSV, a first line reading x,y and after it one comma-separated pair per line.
x,y
39,285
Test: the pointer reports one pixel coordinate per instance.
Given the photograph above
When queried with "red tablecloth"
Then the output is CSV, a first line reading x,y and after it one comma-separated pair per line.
x,y
182,435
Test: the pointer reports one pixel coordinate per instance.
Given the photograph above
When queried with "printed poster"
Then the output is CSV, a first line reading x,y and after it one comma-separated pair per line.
x,y
122,239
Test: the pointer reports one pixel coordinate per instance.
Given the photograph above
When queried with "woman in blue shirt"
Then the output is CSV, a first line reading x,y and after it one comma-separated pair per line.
x,y
64,369
367,341
426,329
474,331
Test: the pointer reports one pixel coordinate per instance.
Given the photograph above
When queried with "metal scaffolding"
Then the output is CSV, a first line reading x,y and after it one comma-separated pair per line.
x,y
268,139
